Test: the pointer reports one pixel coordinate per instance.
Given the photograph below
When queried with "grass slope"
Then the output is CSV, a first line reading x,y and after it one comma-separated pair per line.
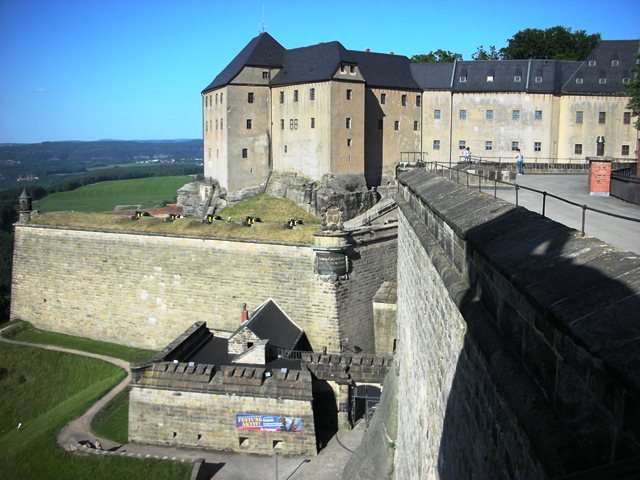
x,y
44,390
104,196
112,421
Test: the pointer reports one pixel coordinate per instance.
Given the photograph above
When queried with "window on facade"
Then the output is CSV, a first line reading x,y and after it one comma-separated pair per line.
x,y
348,122
281,97
383,98
517,78
285,149
463,79
250,97
436,114
415,125
404,100
313,122
221,97
577,149
515,114
206,126
312,94
436,144
489,78
221,124
349,142
602,80
514,146
538,115
217,153
537,146
579,80
592,63
216,124
463,114
418,100
244,153
602,117
349,94
579,116
282,124
538,79
396,125
489,115
626,118
248,124
293,124
380,122
462,144
352,69
625,150
615,63
295,95
265,75
488,145
209,153
625,81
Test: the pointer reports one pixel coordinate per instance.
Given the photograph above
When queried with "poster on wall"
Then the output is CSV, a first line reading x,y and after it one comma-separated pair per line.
x,y
268,423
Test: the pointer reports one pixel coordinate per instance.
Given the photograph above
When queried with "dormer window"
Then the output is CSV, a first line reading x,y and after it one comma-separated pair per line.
x,y
265,75
463,79
538,79
517,78
602,80
579,80
352,69
489,78
592,63
343,68
615,63
625,81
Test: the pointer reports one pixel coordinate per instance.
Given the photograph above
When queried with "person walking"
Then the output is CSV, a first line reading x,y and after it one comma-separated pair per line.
x,y
519,162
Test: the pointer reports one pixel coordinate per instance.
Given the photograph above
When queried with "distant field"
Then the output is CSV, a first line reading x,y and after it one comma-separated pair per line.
x,y
104,196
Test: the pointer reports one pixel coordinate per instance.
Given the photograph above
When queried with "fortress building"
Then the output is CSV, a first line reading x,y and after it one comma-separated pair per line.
x,y
323,109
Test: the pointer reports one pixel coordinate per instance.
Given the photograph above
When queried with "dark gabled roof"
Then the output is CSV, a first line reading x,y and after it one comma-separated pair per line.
x,y
315,63
433,76
385,71
268,321
622,51
261,51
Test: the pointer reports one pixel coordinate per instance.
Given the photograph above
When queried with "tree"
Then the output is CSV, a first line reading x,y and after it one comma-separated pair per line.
x,y
482,54
436,56
557,43
634,93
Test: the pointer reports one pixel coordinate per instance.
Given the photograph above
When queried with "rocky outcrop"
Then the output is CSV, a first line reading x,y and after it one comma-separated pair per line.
x,y
202,198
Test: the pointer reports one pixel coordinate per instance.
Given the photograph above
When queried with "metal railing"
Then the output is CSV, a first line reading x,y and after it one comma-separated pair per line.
x,y
286,354
454,174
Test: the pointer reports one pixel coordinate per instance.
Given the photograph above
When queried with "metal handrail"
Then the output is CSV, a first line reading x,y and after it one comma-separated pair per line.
x,y
435,166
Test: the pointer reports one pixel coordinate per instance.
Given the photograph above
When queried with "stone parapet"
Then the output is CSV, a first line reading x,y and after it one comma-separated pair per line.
x,y
343,366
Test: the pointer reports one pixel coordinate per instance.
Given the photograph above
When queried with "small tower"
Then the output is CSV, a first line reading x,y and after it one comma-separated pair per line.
x,y
25,207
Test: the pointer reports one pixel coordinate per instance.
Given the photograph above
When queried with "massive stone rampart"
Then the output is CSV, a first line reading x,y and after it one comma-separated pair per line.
x,y
518,340
145,290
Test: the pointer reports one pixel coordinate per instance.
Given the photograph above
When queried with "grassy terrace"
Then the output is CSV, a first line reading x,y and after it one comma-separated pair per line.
x,y
273,212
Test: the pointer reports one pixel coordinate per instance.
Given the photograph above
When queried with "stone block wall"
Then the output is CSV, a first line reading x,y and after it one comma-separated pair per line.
x,y
145,290
518,351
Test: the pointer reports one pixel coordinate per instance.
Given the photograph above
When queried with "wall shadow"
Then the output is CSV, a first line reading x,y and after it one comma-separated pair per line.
x,y
325,412
374,140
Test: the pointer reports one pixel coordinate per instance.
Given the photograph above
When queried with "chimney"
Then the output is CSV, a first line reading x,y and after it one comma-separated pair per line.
x,y
367,50
244,315
391,53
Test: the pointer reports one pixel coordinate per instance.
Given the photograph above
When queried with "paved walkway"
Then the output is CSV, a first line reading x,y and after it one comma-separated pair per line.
x,y
622,234
328,464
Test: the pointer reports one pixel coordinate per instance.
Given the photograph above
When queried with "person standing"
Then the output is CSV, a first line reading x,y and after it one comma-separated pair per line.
x,y
467,155
519,162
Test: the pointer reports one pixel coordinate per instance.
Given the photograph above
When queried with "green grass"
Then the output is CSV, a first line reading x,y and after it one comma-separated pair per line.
x,y
35,335
104,196
44,390
112,421
273,212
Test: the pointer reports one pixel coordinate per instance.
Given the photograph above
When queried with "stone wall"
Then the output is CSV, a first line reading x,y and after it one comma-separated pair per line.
x,y
197,407
517,349
145,290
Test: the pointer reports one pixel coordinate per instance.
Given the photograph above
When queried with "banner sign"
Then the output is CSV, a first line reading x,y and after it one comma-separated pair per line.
x,y
268,423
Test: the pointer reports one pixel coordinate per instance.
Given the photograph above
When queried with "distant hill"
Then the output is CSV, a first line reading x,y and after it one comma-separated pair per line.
x,y
50,162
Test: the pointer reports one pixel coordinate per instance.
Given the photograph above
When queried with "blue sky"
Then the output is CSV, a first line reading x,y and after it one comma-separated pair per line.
x,y
89,69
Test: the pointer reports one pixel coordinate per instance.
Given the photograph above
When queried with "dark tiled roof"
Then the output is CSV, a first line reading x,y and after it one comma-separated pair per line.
x,y
315,63
622,51
261,51
433,76
385,71
269,322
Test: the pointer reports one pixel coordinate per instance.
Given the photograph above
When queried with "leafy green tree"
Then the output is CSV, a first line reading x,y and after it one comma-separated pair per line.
x,y
436,56
482,54
558,43
634,93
